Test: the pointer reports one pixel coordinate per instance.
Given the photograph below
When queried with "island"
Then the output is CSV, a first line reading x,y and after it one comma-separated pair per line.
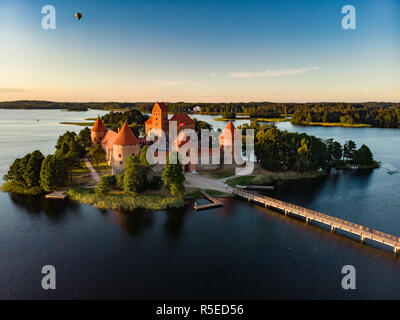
x,y
106,166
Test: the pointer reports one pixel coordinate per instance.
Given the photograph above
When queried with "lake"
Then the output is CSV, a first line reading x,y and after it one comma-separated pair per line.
x,y
239,251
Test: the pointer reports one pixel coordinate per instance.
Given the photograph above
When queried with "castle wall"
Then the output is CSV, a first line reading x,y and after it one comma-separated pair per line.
x,y
121,153
97,136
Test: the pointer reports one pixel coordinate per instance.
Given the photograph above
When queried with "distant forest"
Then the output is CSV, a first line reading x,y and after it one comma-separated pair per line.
x,y
377,114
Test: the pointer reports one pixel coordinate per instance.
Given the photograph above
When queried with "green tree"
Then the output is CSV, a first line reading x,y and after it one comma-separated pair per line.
x,y
348,150
337,151
363,156
135,178
173,176
143,158
304,155
53,173
97,153
32,169
13,172
85,137
105,184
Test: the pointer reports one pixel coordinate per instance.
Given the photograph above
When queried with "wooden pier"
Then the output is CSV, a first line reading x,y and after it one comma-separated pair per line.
x,y
60,194
332,222
214,203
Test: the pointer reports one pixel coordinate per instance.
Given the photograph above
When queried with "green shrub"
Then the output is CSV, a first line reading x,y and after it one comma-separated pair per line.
x,y
119,181
106,183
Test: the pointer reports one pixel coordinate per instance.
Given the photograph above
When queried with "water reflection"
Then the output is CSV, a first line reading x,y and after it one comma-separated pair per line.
x,y
133,222
174,223
36,205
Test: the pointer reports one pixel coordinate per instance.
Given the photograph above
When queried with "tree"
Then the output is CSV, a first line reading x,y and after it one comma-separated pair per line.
x,y
348,150
135,178
143,158
53,173
105,184
173,176
97,153
304,155
363,156
337,151
309,118
228,114
85,137
13,172
26,171
32,169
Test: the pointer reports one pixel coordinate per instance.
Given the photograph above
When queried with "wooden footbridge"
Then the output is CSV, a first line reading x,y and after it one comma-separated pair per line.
x,y
332,222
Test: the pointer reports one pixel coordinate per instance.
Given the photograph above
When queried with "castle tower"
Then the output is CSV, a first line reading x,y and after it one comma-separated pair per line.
x,y
158,118
125,145
98,131
227,141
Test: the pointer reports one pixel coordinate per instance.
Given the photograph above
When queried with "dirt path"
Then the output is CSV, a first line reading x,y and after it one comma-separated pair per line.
x,y
196,181
93,173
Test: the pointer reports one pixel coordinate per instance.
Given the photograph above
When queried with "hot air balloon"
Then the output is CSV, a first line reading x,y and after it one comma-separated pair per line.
x,y
78,15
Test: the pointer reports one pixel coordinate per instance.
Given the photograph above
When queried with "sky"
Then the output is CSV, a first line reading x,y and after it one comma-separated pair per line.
x,y
200,51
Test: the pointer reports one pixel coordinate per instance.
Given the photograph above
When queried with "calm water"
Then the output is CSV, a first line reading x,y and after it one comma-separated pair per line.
x,y
237,251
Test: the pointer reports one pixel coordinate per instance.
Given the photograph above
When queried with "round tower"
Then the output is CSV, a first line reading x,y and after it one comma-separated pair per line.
x,y
98,131
125,145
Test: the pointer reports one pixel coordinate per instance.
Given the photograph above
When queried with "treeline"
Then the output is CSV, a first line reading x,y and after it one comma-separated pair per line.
x,y
278,150
72,106
384,116
377,114
34,173
134,118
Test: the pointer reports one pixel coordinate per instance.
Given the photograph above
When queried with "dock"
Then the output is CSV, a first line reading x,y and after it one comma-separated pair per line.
x,y
60,194
333,223
214,203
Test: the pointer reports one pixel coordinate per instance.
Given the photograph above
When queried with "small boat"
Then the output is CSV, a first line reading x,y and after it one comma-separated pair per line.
x,y
391,172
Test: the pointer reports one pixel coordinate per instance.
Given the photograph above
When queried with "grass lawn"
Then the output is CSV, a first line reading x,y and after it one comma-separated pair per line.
x,y
271,119
218,173
121,201
81,124
103,168
193,193
80,176
227,119
216,193
241,181
264,177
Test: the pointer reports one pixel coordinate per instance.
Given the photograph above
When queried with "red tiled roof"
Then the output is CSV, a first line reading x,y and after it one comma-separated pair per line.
x,y
125,137
230,126
161,105
99,126
182,118
149,120
108,140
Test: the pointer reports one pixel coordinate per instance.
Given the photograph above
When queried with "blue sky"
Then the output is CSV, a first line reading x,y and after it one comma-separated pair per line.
x,y
286,50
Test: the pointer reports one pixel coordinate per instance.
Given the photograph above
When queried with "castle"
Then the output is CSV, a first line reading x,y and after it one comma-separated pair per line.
x,y
119,146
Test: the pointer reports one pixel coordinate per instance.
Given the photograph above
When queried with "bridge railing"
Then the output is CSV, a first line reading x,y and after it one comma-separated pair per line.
x,y
279,204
